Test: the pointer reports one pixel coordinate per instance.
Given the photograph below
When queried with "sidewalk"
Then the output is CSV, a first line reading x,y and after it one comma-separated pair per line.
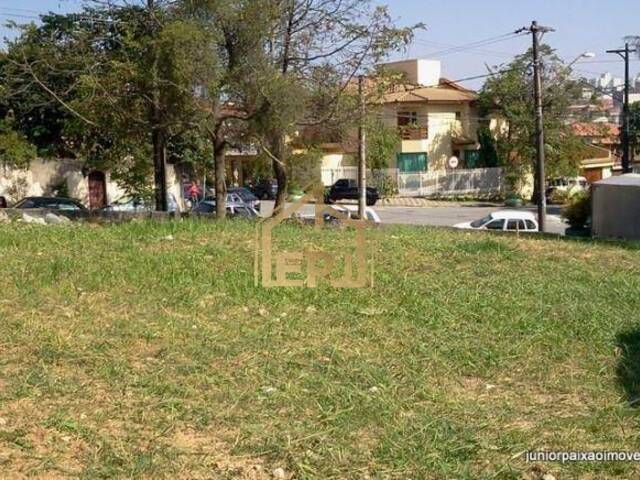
x,y
425,202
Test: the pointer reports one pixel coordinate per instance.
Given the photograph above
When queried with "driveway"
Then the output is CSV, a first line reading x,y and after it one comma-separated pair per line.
x,y
440,216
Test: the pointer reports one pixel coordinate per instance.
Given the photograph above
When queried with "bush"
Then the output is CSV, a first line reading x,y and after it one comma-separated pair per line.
x,y
578,210
514,200
386,185
559,197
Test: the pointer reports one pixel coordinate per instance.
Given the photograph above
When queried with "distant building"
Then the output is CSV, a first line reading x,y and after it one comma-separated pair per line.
x,y
436,119
600,155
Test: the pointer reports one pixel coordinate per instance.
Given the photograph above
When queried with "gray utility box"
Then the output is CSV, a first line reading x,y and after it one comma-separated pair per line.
x,y
616,207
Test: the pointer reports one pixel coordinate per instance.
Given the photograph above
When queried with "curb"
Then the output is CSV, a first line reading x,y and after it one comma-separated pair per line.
x,y
425,202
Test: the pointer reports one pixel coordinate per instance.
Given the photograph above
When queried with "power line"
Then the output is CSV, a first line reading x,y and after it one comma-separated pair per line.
x,y
479,43
474,51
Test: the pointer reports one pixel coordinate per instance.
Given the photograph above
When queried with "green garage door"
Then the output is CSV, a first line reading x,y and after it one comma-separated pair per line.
x,y
471,159
412,162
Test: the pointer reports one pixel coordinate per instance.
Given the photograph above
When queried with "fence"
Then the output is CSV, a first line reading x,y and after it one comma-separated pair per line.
x,y
476,181
331,175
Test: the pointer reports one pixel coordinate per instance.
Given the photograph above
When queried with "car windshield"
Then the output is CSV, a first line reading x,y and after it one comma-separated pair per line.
x,y
245,194
50,203
481,222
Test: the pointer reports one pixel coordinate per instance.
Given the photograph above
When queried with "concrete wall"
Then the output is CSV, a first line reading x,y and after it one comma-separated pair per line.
x,y
419,71
338,160
44,176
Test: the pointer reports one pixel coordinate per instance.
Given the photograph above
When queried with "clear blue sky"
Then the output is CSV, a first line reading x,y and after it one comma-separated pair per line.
x,y
581,25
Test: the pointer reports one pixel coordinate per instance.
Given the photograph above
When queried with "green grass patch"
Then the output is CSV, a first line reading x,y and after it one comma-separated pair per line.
x,y
125,355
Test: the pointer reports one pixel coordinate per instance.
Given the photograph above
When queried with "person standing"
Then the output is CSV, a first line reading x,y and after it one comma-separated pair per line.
x,y
194,194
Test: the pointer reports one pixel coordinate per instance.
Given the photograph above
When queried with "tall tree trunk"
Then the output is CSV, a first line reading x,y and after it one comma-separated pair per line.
x,y
220,167
535,196
280,153
159,169
158,137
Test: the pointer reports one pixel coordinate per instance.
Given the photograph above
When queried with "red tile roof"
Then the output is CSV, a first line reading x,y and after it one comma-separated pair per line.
x,y
598,130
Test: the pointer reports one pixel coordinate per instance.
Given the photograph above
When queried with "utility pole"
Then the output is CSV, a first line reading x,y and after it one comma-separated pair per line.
x,y
536,30
362,153
625,134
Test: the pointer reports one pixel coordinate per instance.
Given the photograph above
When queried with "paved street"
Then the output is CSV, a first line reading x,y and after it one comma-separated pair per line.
x,y
442,216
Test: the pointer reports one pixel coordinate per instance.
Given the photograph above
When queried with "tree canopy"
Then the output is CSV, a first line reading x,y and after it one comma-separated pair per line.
x,y
125,86
507,96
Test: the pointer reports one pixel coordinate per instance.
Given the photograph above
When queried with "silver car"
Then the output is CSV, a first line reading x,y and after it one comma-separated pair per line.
x,y
234,209
136,204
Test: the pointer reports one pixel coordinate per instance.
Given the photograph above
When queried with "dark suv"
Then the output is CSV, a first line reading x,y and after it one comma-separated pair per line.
x,y
347,189
266,190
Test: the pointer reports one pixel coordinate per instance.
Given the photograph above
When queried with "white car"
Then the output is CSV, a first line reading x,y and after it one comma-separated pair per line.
x,y
504,220
569,185
136,204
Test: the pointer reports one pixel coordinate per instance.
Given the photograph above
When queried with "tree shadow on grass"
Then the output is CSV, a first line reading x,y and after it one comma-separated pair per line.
x,y
628,368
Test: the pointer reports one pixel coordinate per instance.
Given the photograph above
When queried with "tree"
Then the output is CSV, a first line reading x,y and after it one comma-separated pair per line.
x,y
123,76
382,143
34,57
508,95
236,32
315,49
634,126
15,149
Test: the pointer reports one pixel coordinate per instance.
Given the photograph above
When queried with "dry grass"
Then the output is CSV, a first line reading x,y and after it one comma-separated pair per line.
x,y
128,356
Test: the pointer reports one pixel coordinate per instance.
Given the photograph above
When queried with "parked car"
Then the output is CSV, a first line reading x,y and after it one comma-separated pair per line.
x,y
266,190
232,197
246,196
51,203
135,204
234,209
505,220
566,186
347,189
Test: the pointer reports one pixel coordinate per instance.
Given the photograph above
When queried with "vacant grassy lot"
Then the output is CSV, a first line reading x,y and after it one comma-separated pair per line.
x,y
127,355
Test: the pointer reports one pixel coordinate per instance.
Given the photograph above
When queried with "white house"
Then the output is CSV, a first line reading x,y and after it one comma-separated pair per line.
x,y
436,118
94,188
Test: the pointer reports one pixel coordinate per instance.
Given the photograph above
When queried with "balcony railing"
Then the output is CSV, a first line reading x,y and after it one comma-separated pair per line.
x,y
414,133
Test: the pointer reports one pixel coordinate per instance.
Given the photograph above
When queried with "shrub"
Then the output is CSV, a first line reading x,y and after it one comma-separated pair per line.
x,y
578,210
386,185
559,197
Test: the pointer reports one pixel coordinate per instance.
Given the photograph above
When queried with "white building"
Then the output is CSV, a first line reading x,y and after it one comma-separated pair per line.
x,y
94,188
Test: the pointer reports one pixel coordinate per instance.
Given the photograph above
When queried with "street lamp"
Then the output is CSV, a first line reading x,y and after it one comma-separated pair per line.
x,y
580,57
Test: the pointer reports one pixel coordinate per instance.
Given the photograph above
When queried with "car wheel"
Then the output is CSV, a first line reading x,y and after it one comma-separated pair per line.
x,y
371,202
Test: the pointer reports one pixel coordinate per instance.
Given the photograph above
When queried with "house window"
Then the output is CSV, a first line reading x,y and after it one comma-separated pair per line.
x,y
412,162
407,119
458,116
